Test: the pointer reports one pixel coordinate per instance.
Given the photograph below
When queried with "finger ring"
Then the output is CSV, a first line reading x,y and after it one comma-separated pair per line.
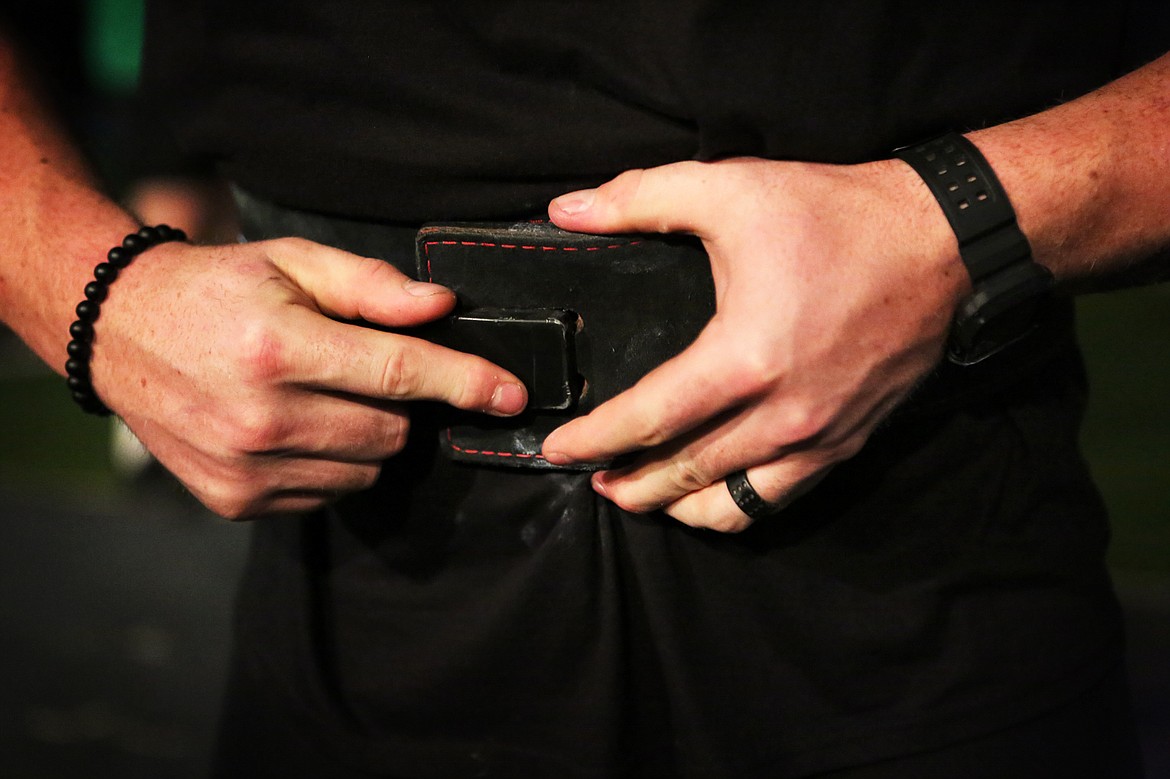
x,y
746,497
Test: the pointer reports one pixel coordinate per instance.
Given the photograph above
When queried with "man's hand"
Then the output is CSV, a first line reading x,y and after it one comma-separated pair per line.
x,y
835,288
236,367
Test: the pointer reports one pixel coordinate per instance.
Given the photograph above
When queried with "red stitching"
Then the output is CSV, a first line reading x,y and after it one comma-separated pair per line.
x,y
486,244
483,453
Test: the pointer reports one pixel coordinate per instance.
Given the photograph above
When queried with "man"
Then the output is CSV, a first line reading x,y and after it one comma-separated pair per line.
x,y
929,599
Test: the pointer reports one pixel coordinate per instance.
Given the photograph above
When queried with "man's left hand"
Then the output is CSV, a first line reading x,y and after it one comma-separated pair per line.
x,y
835,287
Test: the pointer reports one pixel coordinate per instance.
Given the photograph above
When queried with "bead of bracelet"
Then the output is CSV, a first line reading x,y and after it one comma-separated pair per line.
x,y
81,332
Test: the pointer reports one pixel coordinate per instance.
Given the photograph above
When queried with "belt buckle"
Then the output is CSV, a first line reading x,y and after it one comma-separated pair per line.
x,y
536,345
578,318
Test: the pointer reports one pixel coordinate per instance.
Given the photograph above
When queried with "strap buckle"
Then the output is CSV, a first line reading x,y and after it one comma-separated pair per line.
x,y
537,345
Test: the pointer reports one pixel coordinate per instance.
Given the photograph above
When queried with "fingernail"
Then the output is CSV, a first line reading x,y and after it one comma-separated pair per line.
x,y
575,202
509,399
599,485
558,458
423,289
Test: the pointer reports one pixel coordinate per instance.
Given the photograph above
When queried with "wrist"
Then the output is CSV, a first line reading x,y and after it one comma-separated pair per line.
x,y
44,269
1008,286
914,223
925,226
82,331
1087,179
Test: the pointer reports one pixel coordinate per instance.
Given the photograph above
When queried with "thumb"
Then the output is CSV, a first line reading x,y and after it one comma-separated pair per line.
x,y
347,286
667,199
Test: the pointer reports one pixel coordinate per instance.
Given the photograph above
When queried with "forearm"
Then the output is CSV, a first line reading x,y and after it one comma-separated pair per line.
x,y
1090,181
55,225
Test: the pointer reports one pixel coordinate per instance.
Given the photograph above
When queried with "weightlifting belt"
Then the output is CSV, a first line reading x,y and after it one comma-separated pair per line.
x,y
579,318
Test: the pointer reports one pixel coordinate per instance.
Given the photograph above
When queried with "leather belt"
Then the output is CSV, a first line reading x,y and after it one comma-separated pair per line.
x,y
580,318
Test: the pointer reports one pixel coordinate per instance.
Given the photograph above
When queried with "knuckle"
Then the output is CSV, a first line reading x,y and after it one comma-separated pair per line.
x,y
397,434
652,425
401,376
803,422
474,386
624,187
654,432
754,373
627,192
232,487
373,273
290,244
260,354
233,503
256,430
688,475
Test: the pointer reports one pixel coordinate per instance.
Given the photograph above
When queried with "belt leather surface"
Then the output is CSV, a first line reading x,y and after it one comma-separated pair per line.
x,y
631,303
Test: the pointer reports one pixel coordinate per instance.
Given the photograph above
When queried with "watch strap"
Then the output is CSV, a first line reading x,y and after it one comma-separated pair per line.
x,y
973,201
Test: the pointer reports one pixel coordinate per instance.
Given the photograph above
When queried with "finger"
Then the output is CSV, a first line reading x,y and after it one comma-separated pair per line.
x,y
758,433
342,357
329,478
266,484
346,286
676,397
293,502
345,428
670,198
237,486
665,473
778,483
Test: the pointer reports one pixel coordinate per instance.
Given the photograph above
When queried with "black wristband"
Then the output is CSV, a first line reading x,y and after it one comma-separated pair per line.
x,y
973,201
81,331
1007,284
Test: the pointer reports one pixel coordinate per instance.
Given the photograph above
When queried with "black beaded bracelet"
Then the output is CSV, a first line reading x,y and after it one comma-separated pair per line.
x,y
81,346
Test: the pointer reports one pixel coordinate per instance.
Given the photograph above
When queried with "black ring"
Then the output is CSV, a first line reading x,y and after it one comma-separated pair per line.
x,y
746,497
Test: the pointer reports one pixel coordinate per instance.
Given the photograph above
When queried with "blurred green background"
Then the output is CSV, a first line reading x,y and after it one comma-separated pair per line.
x,y
1127,434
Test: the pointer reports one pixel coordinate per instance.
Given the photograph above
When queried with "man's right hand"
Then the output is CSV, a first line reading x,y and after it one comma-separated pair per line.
x,y
240,370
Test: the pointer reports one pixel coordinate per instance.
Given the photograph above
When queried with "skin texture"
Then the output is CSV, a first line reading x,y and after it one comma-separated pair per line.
x,y
231,363
824,321
236,367
271,402
835,287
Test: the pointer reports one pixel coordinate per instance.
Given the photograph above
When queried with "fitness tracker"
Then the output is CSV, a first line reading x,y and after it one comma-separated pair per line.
x,y
1007,285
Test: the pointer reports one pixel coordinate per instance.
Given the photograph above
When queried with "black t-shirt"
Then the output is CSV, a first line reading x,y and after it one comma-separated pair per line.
x,y
419,110
458,621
